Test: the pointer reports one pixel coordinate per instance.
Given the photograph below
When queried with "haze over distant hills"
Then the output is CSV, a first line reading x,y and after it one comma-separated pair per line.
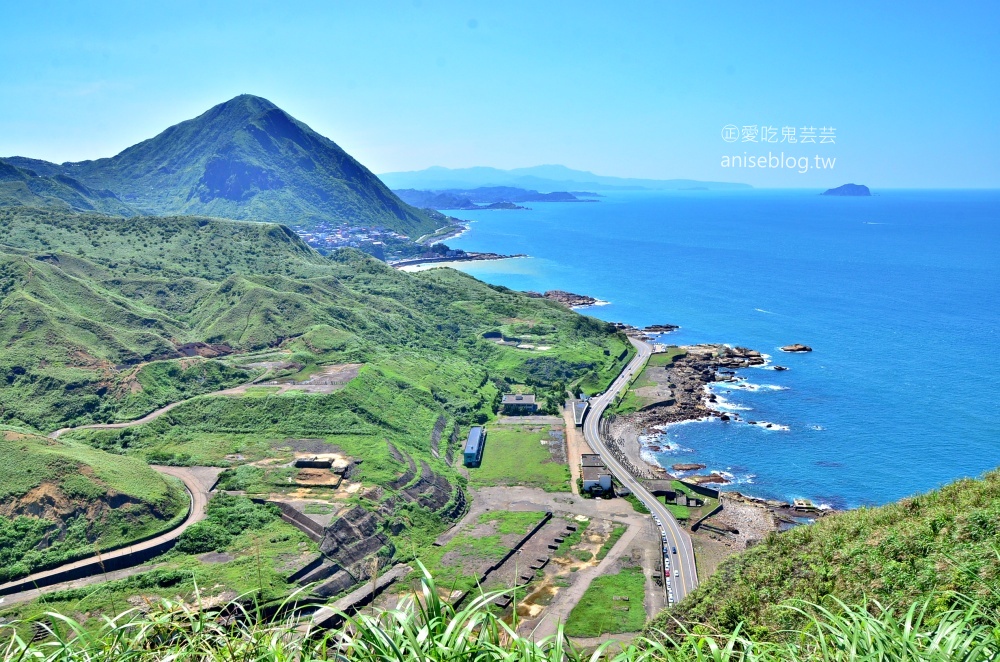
x,y
543,178
245,159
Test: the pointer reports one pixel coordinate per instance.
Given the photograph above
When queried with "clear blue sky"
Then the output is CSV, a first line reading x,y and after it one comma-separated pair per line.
x,y
624,88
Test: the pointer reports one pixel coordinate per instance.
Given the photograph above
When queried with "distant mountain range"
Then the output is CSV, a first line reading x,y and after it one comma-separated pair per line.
x,y
544,178
492,197
245,159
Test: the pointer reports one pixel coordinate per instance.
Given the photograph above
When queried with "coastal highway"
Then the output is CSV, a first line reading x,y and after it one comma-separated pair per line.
x,y
683,573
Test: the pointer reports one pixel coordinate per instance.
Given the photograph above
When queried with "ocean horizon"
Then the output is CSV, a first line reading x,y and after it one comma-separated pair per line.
x,y
897,294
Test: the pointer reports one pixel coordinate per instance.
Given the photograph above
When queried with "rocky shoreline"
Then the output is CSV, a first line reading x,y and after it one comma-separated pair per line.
x,y
568,299
678,394
680,390
651,330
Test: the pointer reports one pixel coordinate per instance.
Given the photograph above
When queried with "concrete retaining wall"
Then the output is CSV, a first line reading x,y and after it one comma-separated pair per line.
x,y
714,511
95,566
702,490
303,523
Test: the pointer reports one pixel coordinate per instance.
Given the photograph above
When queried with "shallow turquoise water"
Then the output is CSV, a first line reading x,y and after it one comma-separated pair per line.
x,y
897,294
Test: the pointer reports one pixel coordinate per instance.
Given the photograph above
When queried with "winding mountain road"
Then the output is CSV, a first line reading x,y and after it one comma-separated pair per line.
x,y
683,572
155,414
197,482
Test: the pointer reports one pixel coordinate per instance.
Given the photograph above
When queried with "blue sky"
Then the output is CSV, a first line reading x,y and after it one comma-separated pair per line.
x,y
628,88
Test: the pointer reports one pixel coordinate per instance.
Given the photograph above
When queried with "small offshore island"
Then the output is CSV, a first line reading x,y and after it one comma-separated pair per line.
x,y
856,190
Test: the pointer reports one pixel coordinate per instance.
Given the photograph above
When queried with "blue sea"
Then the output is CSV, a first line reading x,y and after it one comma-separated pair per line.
x,y
898,294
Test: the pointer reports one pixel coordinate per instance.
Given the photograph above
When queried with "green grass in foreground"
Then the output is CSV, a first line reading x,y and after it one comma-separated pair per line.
x,y
944,542
427,629
515,455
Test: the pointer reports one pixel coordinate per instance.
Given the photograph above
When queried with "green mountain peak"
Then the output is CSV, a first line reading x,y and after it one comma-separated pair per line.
x,y
246,159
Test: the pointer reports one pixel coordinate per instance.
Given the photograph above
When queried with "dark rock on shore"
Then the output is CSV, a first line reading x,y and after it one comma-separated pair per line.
x,y
687,467
711,478
796,348
849,190
660,328
686,378
570,299
652,329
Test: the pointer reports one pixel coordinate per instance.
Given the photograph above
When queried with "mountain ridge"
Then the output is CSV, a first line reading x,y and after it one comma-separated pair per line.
x,y
543,178
24,186
245,159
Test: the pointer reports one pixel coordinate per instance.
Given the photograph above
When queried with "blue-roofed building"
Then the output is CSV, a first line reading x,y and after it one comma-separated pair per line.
x,y
473,453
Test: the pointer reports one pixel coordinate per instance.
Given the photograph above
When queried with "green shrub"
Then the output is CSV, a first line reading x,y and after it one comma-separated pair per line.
x,y
204,536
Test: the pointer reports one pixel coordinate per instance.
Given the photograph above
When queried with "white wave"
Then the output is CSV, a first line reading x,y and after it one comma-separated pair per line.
x,y
664,427
722,404
817,427
743,385
769,426
599,302
662,442
732,478
768,312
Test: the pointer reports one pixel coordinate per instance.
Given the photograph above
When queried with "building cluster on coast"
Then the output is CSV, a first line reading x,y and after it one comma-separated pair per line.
x,y
327,237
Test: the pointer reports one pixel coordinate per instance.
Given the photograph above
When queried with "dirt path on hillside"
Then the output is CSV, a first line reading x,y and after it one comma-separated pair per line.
x,y
153,415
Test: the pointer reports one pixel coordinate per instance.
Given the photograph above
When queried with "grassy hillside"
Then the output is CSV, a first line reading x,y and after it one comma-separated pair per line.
x,y
246,159
62,500
427,628
945,543
94,311
88,301
25,187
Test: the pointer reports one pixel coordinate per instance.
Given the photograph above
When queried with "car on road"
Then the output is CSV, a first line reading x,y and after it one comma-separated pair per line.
x,y
674,550
668,572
